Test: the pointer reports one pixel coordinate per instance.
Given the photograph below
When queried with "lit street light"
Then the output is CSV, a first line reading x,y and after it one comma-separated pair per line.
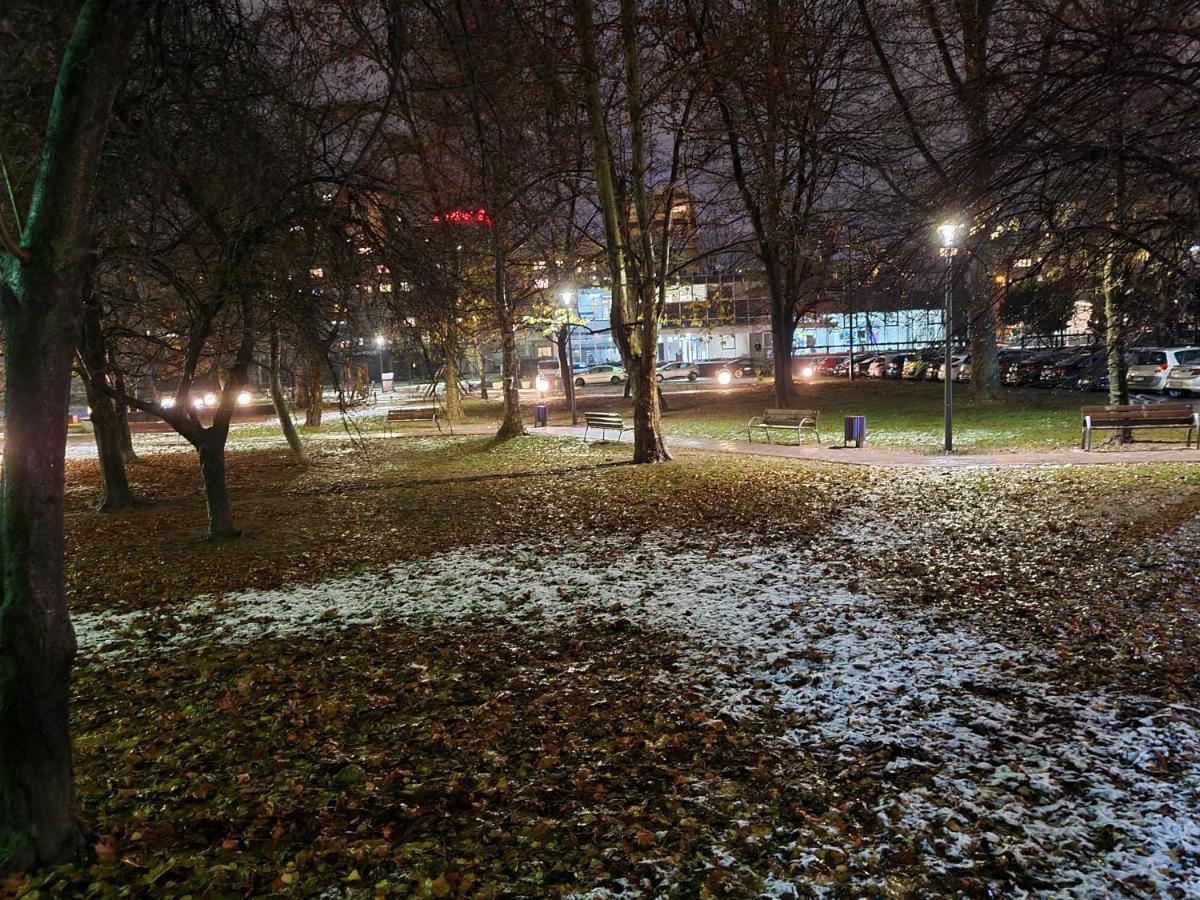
x,y
380,341
949,235
569,387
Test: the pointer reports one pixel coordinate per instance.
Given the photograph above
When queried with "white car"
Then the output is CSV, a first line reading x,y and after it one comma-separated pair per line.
x,y
606,374
670,370
956,364
1151,366
1184,377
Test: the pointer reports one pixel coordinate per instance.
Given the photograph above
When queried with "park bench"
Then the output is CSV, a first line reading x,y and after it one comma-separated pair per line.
x,y
1156,415
604,422
787,420
411,414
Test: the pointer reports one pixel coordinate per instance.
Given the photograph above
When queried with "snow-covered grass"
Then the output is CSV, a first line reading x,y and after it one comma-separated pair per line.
x,y
988,764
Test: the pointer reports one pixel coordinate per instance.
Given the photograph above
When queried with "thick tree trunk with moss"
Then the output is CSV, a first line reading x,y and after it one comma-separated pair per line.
x,y
37,643
41,278
280,403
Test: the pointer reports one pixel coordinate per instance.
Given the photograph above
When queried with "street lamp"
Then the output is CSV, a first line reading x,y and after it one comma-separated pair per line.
x,y
569,387
949,236
380,340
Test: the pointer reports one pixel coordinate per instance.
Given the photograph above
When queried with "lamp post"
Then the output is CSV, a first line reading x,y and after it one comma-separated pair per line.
x,y
569,387
949,235
380,340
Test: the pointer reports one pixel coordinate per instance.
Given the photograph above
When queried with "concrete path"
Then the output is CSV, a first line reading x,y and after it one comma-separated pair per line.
x,y
869,456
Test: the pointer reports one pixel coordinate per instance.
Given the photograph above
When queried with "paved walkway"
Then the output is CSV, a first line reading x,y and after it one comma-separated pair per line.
x,y
869,456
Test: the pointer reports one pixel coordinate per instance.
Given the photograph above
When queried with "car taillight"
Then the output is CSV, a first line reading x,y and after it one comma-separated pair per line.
x,y
1161,367
1060,370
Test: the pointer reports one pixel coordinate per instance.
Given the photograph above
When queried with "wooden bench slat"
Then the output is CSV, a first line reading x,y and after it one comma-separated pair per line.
x,y
604,422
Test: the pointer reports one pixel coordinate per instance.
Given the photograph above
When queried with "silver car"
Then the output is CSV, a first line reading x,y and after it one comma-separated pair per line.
x,y
1184,378
670,370
1151,365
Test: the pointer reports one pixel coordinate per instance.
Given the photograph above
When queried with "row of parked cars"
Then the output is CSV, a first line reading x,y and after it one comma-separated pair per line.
x,y
1173,370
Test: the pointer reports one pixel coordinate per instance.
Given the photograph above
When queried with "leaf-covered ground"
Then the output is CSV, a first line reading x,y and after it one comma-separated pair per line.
x,y
448,742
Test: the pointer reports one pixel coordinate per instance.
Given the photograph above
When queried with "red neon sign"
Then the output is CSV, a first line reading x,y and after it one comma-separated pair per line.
x,y
464,217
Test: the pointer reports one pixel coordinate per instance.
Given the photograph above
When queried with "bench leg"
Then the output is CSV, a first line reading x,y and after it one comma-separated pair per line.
x,y
585,433
817,432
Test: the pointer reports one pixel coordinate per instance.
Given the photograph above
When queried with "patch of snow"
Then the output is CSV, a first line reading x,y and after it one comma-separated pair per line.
x,y
989,762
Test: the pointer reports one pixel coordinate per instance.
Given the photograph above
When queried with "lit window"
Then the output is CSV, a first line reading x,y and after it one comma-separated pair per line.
x,y
317,273
385,288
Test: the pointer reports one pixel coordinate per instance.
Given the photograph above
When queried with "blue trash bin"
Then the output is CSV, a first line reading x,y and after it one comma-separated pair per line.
x,y
854,428
541,415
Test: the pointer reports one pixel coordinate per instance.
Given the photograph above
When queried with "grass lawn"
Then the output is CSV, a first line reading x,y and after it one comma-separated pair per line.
x,y
438,666
900,415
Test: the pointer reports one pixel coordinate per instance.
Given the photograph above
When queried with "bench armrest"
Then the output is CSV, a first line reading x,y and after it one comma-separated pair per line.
x,y
757,420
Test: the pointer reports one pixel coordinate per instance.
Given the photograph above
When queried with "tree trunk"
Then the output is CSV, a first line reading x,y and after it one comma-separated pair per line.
x,y
510,375
1114,339
41,301
483,384
648,444
211,449
566,373
454,403
280,403
985,365
37,642
314,370
106,429
783,331
106,421
122,410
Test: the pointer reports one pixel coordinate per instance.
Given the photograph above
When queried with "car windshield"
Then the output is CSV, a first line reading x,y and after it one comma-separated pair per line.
x,y
1149,358
1188,356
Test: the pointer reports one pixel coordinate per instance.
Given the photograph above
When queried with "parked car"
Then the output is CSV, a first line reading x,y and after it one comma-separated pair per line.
x,y
877,367
672,370
1028,370
956,361
895,366
1185,377
917,365
1151,366
1069,369
1006,359
605,374
827,365
742,367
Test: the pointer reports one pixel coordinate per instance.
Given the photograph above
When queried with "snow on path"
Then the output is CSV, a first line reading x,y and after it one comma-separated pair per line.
x,y
989,762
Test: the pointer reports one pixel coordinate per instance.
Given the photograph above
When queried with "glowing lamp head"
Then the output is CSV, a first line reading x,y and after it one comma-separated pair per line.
x,y
210,399
542,384
380,340
806,372
724,376
948,231
198,403
167,402
244,398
